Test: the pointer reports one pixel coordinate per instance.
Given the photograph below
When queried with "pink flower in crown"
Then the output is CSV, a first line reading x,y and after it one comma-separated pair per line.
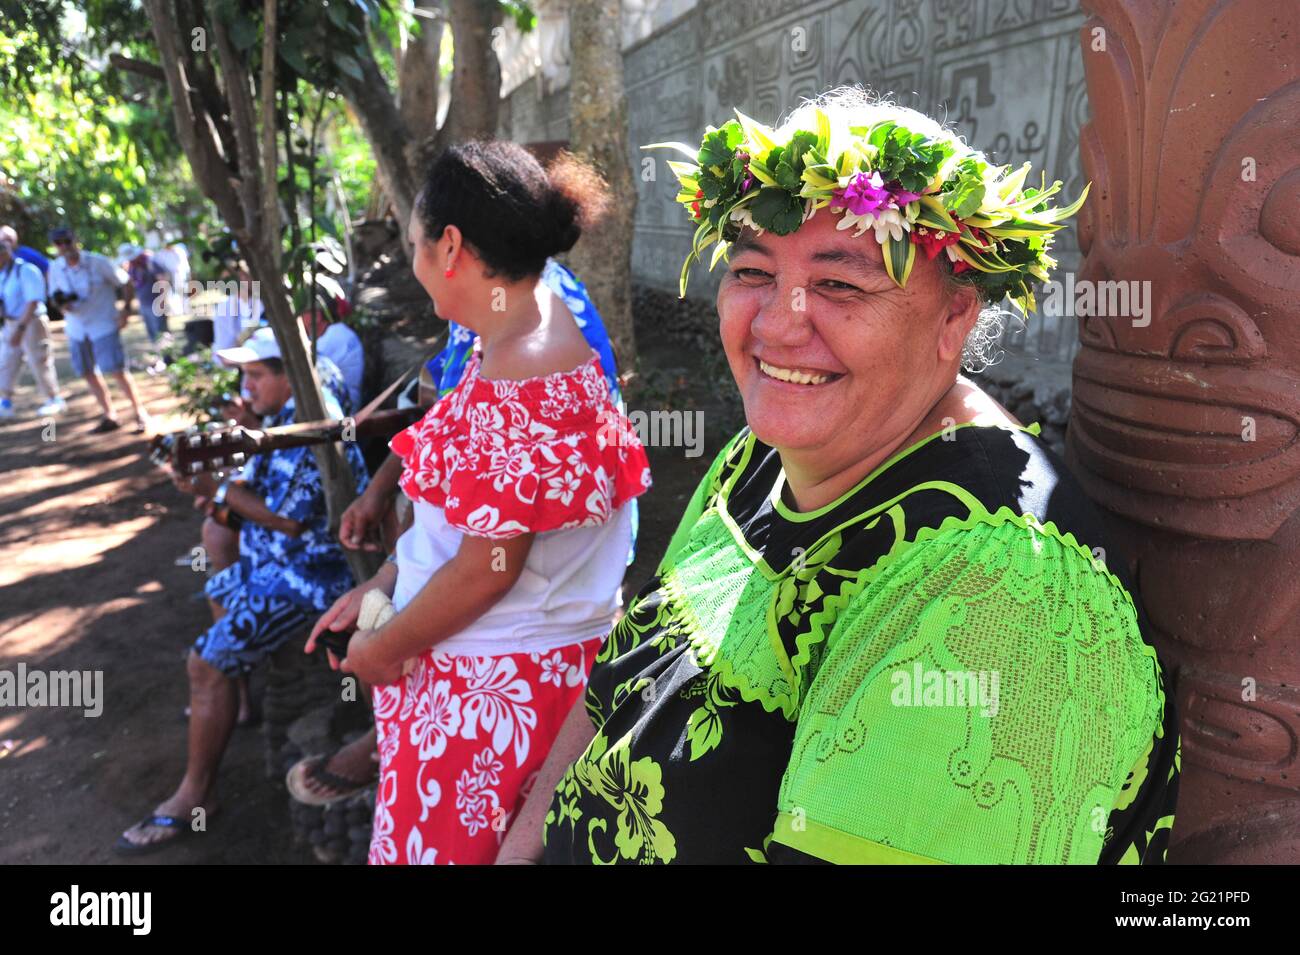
x,y
748,182
867,193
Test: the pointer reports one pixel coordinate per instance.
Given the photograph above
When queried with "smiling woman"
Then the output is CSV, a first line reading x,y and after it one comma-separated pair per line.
x,y
878,519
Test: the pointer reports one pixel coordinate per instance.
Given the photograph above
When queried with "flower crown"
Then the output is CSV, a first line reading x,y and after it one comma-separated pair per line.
x,y
912,189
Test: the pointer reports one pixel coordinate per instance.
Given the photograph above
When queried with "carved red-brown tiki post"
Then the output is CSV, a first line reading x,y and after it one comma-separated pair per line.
x,y
1186,428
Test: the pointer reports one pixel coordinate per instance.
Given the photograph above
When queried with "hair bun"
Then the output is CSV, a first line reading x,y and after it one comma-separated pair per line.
x,y
579,199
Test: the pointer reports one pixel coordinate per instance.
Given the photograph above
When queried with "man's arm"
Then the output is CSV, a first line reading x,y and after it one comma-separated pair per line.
x,y
123,290
249,506
242,500
360,524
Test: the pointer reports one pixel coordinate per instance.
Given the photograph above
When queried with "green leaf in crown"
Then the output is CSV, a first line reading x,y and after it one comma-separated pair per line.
x,y
912,189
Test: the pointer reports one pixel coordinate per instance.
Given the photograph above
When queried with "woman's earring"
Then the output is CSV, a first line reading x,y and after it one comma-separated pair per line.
x,y
449,272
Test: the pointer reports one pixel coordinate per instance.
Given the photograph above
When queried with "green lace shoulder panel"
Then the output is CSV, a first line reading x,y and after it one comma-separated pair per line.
x,y
983,699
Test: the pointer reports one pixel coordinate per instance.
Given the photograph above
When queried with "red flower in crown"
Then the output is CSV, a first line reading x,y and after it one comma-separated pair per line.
x,y
933,241
695,206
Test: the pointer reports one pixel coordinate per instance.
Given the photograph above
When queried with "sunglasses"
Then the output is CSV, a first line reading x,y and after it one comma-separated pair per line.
x,y
63,242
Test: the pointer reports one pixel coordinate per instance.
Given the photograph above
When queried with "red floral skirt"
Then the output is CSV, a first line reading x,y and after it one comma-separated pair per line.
x,y
461,740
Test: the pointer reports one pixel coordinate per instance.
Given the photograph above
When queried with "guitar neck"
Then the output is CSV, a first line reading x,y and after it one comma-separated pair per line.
x,y
231,447
379,424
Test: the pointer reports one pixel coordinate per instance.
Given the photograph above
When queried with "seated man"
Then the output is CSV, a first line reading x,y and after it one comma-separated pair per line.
x,y
341,345
289,571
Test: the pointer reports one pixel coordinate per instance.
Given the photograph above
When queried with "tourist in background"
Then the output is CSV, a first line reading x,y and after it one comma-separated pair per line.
x,y
25,252
341,345
87,286
25,332
238,312
152,285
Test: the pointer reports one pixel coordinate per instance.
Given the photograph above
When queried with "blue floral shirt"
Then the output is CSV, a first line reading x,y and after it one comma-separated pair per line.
x,y
309,570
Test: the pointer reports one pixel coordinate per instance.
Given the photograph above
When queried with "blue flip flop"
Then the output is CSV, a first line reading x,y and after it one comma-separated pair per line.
x,y
126,847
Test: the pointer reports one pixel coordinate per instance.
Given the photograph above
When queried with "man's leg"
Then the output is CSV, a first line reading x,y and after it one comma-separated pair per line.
x,y
81,351
220,543
127,383
214,703
250,628
110,356
39,351
100,391
10,361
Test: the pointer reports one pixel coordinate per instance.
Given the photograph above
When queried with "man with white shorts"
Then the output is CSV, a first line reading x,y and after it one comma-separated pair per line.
x,y
87,286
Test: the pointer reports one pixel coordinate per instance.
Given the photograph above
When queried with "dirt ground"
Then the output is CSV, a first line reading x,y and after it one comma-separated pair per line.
x,y
90,533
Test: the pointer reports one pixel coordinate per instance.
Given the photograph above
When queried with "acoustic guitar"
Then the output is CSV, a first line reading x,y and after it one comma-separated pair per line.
x,y
194,451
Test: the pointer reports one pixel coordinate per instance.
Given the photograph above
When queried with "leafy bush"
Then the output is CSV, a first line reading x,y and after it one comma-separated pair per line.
x,y
199,382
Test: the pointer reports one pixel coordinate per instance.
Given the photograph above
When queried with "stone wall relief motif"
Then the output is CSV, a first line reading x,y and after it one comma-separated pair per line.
x,y
721,21
956,23
864,55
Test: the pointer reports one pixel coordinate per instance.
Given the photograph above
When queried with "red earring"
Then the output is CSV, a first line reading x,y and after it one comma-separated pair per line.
x,y
449,272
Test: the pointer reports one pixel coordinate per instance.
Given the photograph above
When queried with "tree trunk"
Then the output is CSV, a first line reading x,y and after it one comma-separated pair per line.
x,y
602,259
382,124
475,76
418,74
237,189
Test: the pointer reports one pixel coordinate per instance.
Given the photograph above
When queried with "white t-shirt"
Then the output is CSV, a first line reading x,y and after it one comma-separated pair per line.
x,y
21,283
568,591
341,345
95,281
232,317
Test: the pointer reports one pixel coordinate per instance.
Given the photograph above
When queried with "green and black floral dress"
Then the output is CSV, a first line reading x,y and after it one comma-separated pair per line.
x,y
941,666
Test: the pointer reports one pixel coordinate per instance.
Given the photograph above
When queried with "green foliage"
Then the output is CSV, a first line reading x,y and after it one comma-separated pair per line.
x,y
200,383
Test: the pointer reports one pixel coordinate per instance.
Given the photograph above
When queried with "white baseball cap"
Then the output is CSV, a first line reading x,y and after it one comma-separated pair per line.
x,y
260,346
128,251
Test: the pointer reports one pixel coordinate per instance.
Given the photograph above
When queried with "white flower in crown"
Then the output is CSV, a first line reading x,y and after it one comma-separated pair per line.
x,y
744,217
887,223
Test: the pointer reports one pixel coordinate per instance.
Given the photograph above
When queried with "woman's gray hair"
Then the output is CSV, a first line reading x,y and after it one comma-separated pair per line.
x,y
983,345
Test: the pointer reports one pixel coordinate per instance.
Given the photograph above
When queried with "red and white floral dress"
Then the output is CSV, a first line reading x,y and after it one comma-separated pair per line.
x,y
462,736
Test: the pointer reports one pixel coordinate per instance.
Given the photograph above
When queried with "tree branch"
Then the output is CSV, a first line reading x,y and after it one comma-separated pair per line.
x,y
139,67
376,110
243,117
197,133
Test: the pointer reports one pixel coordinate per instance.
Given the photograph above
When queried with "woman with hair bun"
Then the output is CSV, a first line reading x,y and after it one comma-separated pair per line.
x,y
522,477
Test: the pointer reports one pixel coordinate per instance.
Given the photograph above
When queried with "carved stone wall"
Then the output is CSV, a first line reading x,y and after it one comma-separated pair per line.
x,y
1007,73
1187,427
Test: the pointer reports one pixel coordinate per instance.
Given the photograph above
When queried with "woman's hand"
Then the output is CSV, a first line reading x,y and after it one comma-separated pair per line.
x,y
365,659
342,615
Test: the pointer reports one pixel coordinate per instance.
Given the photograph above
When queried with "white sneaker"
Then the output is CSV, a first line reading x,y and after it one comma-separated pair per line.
x,y
6,408
52,407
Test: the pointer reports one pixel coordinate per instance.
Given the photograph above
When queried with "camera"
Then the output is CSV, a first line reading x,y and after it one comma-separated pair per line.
x,y
62,298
